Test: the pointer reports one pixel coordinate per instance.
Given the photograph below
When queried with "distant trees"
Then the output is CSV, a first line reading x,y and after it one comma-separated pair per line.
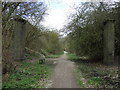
x,y
86,28
53,42
43,40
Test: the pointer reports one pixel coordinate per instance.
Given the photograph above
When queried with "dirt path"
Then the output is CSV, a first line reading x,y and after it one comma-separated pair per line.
x,y
63,76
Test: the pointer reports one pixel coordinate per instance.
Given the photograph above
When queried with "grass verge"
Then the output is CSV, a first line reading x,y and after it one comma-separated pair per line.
x,y
72,57
95,75
28,75
55,55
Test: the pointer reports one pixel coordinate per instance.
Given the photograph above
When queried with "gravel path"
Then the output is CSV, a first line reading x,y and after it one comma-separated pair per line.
x,y
63,75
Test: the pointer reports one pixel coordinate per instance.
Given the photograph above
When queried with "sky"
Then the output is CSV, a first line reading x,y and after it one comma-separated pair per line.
x,y
59,10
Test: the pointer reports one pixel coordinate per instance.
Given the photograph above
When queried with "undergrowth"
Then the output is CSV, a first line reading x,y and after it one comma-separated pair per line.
x,y
72,57
96,75
55,55
27,75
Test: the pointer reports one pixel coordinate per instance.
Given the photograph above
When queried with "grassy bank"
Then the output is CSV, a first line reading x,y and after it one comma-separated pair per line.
x,y
95,75
28,75
72,57
55,55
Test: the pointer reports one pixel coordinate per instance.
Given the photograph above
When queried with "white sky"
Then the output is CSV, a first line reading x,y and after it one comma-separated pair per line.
x,y
59,10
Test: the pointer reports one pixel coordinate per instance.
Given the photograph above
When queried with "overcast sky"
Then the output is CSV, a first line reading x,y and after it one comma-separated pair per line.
x,y
59,10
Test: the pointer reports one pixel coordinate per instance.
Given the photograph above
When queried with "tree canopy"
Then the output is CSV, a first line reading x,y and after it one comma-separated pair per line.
x,y
86,28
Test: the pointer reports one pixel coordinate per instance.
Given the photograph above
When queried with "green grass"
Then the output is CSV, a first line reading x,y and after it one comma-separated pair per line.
x,y
27,76
79,79
97,78
55,55
72,57
89,70
95,81
75,58
94,74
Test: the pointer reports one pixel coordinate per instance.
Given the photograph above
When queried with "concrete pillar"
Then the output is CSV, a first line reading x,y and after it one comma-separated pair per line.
x,y
109,42
0,45
19,38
